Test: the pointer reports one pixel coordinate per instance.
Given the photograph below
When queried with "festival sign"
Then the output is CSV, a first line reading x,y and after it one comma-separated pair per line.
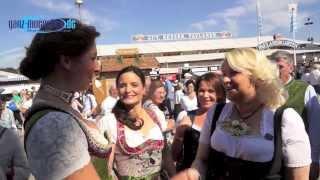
x,y
181,36
275,43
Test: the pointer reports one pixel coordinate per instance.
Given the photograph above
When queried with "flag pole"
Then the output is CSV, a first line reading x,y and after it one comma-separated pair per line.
x,y
259,25
293,26
259,22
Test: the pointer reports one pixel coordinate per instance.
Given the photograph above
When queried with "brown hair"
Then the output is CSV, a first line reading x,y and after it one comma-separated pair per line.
x,y
136,70
155,84
216,81
46,49
119,110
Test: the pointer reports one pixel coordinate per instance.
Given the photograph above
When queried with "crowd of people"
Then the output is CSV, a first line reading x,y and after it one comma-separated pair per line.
x,y
252,121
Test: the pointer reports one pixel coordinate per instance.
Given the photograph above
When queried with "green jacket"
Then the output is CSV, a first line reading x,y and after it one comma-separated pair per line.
x,y
296,90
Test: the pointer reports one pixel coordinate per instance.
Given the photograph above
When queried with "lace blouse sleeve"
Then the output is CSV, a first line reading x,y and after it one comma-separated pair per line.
x,y
56,147
108,126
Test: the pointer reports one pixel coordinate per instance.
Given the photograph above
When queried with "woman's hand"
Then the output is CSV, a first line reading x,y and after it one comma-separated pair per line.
x,y
87,172
171,124
111,159
183,125
177,144
188,174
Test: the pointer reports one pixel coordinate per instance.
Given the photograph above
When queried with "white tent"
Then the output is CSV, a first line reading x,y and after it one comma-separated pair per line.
x,y
7,77
8,89
17,82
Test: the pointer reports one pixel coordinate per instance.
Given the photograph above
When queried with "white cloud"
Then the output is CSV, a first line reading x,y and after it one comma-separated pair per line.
x,y
10,51
277,17
307,1
232,26
230,12
54,6
274,12
11,57
204,24
102,23
228,17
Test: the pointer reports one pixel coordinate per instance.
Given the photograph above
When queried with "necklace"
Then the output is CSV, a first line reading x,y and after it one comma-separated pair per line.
x,y
251,113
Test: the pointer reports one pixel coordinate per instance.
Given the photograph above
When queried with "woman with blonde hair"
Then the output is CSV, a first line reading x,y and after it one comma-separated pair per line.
x,y
251,137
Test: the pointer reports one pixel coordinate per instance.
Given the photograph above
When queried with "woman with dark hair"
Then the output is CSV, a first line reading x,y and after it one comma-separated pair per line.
x,y
135,131
209,90
189,101
58,140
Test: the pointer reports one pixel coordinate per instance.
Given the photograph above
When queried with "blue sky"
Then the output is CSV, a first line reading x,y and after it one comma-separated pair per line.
x,y
118,20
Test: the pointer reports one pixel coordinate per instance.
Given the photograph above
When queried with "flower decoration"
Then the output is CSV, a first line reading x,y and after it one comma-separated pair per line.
x,y
236,127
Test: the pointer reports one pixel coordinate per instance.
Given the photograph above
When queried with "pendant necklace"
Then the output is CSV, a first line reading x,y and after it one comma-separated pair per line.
x,y
251,113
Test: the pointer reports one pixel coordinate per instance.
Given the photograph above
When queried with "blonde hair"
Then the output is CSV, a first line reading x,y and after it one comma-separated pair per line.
x,y
263,73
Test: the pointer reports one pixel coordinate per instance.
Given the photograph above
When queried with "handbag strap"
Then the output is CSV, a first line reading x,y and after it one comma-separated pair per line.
x,y
277,154
216,116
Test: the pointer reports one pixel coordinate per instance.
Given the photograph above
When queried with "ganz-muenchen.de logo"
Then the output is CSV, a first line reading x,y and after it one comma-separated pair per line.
x,y
40,25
